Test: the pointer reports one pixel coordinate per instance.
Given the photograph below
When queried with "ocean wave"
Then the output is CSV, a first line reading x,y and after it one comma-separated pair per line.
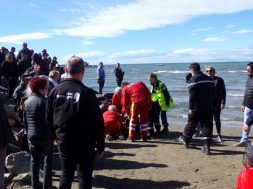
x,y
236,71
235,95
171,71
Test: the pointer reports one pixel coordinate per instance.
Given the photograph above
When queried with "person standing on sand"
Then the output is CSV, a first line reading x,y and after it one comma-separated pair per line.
x,y
74,115
119,74
136,102
201,96
40,137
161,102
247,107
219,98
101,77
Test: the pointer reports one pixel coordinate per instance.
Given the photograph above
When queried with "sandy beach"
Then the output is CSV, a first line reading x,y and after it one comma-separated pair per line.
x,y
166,164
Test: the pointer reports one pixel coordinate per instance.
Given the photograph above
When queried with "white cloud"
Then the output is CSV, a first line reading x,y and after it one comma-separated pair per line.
x,y
17,39
214,39
87,56
201,29
71,10
87,43
156,56
243,31
202,55
144,14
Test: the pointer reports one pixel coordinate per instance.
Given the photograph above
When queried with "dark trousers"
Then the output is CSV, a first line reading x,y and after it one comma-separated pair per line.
x,y
84,171
216,116
154,117
119,82
101,84
206,121
37,150
164,119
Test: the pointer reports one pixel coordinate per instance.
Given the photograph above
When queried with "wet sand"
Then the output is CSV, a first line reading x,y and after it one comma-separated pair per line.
x,y
166,164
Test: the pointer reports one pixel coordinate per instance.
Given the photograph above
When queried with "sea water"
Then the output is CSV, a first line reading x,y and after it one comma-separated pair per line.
x,y
172,74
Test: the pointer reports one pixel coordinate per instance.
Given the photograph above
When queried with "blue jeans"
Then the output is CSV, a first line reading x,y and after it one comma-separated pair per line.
x,y
37,149
248,114
84,171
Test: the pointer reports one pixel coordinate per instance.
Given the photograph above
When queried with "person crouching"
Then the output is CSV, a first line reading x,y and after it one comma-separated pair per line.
x,y
114,127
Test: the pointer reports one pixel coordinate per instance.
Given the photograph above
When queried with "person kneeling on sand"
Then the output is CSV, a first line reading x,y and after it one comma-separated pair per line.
x,y
114,127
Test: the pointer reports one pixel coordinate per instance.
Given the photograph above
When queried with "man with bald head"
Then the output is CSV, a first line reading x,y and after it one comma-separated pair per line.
x,y
73,113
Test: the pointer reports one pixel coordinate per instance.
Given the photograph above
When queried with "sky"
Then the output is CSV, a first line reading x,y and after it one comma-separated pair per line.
x,y
131,31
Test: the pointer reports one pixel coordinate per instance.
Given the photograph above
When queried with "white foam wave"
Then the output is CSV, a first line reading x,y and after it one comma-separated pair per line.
x,y
235,95
171,71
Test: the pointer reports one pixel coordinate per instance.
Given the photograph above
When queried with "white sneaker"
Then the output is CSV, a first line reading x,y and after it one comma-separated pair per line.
x,y
219,139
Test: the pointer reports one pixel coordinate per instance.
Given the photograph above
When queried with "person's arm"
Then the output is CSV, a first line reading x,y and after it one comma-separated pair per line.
x,y
125,102
97,124
192,95
223,94
49,112
166,94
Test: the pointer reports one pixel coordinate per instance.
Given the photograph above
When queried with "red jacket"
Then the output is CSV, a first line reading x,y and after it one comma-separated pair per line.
x,y
134,93
116,101
113,123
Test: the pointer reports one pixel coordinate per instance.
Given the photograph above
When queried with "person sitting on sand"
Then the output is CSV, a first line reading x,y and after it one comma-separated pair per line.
x,y
114,127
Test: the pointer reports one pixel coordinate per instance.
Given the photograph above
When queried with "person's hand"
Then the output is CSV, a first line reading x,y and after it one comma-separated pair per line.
x,y
222,106
245,127
99,154
242,108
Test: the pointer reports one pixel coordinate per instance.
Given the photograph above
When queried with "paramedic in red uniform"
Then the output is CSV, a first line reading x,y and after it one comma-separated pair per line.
x,y
136,102
114,126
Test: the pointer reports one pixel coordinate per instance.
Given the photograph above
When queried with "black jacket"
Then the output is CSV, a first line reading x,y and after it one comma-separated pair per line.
x,y
201,93
23,65
248,95
9,70
34,119
5,130
119,74
73,112
220,91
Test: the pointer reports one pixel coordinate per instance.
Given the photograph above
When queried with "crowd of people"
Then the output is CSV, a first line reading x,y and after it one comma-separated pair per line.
x,y
53,104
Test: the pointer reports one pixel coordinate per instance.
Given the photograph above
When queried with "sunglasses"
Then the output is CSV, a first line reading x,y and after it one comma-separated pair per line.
x,y
207,71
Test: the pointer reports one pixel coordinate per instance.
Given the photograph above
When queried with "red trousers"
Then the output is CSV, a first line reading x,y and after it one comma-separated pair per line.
x,y
139,114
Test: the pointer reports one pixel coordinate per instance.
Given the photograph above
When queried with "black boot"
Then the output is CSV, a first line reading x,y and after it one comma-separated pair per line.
x,y
206,147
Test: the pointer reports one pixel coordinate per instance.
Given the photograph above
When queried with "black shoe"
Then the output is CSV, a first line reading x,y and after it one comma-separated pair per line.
x,y
165,130
157,133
